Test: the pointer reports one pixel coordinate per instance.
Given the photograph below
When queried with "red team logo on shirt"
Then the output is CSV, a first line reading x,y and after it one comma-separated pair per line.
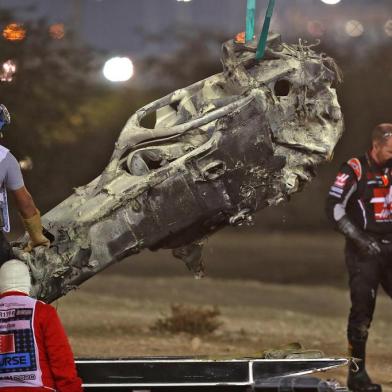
x,y
7,343
382,202
341,180
355,164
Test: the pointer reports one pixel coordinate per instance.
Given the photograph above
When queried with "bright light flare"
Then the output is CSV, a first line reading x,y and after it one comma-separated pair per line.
x,y
7,71
26,163
57,31
316,28
118,69
354,28
388,28
14,32
331,2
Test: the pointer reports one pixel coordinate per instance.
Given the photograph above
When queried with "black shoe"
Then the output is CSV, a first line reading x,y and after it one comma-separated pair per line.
x,y
361,382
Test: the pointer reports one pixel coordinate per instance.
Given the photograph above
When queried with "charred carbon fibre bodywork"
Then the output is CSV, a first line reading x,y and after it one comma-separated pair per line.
x,y
221,149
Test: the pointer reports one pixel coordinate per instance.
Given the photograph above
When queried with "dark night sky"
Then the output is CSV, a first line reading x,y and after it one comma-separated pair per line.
x,y
113,24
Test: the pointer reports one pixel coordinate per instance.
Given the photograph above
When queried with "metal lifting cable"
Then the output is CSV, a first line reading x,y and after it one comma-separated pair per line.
x,y
250,20
264,33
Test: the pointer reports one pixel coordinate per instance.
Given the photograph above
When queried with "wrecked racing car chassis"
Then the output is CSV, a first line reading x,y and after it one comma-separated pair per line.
x,y
220,150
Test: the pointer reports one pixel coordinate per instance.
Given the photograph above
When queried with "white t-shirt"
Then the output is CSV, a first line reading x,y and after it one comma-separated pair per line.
x,y
10,173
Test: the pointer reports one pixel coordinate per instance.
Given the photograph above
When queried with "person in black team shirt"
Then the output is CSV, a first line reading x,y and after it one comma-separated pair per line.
x,y
360,206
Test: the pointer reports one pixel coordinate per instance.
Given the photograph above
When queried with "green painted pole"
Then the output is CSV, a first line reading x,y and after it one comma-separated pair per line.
x,y
264,33
250,20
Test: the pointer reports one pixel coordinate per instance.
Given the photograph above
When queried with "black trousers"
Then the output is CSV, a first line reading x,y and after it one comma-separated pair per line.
x,y
366,274
5,249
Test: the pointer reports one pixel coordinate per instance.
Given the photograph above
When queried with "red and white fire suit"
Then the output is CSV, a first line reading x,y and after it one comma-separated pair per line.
x,y
35,354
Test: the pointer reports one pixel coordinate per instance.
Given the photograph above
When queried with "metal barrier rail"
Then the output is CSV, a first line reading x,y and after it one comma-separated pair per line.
x,y
199,374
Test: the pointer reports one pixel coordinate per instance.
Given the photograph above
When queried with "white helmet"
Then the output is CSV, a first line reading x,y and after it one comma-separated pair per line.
x,y
15,276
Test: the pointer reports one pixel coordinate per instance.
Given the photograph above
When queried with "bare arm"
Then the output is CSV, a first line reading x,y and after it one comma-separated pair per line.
x,y
24,202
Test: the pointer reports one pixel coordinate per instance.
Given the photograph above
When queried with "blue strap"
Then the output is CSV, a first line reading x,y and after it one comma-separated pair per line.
x,y
250,20
264,33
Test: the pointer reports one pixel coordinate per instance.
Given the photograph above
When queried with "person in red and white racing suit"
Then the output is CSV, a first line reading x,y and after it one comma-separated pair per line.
x,y
35,354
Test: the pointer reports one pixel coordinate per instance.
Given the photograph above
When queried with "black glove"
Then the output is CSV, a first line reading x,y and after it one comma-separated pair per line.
x,y
386,247
366,244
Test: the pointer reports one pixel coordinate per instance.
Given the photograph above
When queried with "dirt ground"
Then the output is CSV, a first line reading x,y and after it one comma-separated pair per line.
x,y
270,289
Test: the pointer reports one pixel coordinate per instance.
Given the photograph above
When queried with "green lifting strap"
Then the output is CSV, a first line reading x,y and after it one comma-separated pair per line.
x,y
250,20
264,33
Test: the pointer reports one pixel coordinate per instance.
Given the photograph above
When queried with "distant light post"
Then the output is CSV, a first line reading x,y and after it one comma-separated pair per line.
x,y
118,69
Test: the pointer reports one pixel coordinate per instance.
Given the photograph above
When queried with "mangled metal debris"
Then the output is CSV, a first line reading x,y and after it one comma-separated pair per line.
x,y
221,149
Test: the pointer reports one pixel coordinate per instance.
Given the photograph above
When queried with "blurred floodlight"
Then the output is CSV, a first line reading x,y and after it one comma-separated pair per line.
x,y
7,71
184,1
26,163
331,1
14,32
354,28
118,69
316,28
388,28
57,31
